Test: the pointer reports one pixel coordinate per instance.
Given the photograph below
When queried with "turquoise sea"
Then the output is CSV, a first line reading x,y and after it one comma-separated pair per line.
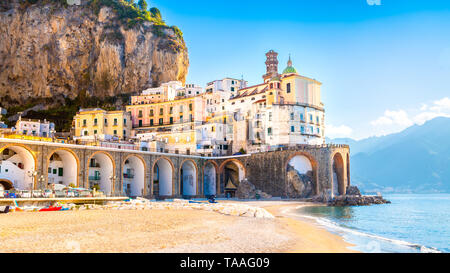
x,y
412,223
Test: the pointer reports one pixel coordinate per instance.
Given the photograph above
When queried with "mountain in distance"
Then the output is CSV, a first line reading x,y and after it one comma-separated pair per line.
x,y
416,160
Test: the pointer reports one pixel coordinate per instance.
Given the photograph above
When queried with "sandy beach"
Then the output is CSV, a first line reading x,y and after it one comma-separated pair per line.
x,y
143,231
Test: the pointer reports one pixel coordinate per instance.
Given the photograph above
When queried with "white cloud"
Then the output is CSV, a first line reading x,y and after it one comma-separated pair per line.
x,y
396,121
399,118
338,131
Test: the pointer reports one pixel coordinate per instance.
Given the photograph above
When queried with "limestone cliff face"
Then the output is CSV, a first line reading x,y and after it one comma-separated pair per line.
x,y
55,51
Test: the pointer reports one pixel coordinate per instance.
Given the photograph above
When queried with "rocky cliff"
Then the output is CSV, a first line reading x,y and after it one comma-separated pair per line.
x,y
52,50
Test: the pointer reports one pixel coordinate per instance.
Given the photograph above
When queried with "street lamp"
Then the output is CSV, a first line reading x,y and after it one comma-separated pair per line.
x,y
32,174
112,178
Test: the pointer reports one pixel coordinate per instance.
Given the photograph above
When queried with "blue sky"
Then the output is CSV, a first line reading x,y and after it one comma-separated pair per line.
x,y
383,67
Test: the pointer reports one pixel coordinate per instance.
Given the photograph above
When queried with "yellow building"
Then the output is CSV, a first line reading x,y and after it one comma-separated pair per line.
x,y
98,124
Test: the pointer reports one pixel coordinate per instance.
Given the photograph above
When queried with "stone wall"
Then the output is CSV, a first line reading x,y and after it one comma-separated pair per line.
x,y
268,172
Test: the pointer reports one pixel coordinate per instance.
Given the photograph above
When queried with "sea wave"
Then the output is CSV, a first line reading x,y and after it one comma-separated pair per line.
x,y
333,226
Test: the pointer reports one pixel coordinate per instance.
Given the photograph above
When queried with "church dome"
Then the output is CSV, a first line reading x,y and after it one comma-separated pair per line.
x,y
290,69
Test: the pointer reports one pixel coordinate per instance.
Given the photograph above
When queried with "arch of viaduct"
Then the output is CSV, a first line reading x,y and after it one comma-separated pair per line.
x,y
149,174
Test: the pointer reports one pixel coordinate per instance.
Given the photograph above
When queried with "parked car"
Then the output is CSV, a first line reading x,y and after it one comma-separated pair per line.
x,y
37,194
47,194
24,194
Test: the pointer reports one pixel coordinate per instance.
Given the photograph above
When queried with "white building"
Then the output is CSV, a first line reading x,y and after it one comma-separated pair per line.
x,y
34,128
229,85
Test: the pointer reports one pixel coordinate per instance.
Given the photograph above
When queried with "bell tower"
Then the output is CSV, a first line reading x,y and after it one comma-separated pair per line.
x,y
271,65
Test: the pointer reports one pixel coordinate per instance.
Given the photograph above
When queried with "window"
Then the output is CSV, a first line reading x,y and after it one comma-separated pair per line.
x,y
181,118
232,89
124,121
49,170
171,110
302,129
124,133
288,88
115,132
85,133
318,130
151,122
60,172
161,111
140,123
191,118
171,120
311,129
292,116
54,171
151,112
270,116
140,114
190,107
161,121
311,118
115,122
106,122
84,123
302,117
95,132
318,120
95,122
292,129
269,131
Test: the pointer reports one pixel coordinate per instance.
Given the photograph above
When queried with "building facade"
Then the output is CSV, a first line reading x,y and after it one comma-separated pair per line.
x,y
100,125
230,117
37,128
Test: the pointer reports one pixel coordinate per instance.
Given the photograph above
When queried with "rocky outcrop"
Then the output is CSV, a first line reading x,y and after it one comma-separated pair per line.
x,y
355,200
50,50
299,185
247,190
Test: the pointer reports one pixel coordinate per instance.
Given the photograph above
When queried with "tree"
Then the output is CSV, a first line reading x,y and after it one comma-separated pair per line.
x,y
156,13
143,5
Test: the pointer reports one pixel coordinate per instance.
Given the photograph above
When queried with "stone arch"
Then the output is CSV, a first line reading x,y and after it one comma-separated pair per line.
x,y
21,162
188,177
231,169
71,167
134,176
6,185
306,171
338,174
100,168
163,173
211,181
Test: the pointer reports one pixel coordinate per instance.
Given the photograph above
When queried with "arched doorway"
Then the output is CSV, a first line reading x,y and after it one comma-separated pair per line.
x,y
101,171
301,175
17,165
210,179
63,168
188,178
6,185
339,187
232,173
163,178
134,176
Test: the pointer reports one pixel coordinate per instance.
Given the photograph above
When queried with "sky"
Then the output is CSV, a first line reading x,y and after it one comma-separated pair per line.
x,y
384,64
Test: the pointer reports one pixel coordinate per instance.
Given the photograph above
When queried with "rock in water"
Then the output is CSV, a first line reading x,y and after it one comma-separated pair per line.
x,y
52,50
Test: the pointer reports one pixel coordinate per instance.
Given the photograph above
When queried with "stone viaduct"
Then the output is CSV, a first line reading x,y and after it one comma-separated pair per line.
x,y
31,164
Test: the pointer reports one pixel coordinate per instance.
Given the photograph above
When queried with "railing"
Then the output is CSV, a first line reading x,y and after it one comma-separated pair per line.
x,y
94,178
13,194
127,175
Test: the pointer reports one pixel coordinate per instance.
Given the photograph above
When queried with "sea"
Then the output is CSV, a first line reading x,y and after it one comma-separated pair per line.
x,y
413,223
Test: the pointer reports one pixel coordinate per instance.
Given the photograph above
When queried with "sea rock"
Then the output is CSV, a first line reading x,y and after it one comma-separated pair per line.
x,y
355,200
246,190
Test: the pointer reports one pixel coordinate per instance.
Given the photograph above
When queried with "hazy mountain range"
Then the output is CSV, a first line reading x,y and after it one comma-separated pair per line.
x,y
416,160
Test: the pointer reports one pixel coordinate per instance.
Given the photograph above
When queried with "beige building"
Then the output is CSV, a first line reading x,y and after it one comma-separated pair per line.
x,y
98,124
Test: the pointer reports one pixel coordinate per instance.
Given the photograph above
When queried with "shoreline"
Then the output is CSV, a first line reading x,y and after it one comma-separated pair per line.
x,y
310,236
167,230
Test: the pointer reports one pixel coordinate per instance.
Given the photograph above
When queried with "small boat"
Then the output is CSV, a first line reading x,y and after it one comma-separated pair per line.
x,y
51,209
4,209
